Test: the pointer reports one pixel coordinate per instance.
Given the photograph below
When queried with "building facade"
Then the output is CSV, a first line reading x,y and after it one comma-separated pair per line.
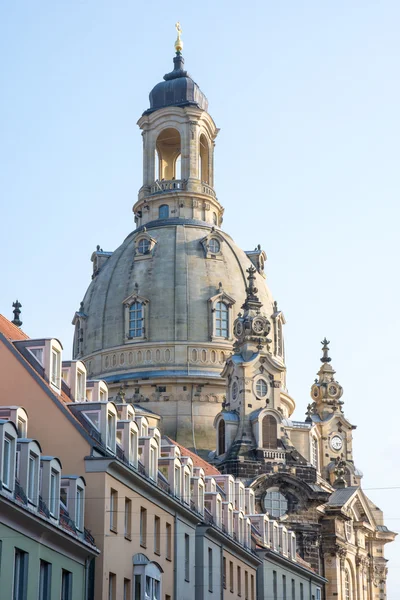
x,y
45,551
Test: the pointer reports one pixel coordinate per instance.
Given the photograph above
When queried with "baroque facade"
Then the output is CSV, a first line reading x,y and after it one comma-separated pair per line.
x,y
161,324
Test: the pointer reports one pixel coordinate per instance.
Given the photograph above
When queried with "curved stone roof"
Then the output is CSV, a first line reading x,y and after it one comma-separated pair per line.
x,y
178,280
177,89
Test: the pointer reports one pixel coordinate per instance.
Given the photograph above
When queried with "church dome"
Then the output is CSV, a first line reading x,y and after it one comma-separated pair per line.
x,y
178,280
156,322
177,89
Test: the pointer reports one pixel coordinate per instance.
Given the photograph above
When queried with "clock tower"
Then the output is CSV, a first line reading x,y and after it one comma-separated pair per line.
x,y
326,413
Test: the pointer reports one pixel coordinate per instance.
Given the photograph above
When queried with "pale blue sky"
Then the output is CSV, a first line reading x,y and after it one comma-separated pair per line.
x,y
307,97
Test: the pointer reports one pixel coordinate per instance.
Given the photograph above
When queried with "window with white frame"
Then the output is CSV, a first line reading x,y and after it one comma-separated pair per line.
x,y
261,388
133,448
55,367
136,320
177,482
32,477
22,427
143,246
54,491
79,508
38,354
221,320
8,449
214,246
80,386
94,417
201,498
111,431
186,478
153,463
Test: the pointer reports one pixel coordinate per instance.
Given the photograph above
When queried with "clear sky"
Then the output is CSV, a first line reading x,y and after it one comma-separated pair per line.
x,y
307,97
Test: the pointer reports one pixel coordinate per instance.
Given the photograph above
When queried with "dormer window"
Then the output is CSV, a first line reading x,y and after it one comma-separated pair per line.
x,y
214,246
54,491
143,246
111,431
38,354
55,367
8,449
22,427
79,508
133,448
33,472
81,386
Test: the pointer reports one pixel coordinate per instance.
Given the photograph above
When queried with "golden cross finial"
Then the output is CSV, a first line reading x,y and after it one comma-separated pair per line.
x,y
178,43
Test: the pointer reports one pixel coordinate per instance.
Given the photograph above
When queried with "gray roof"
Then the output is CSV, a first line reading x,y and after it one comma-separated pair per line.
x,y
177,89
342,495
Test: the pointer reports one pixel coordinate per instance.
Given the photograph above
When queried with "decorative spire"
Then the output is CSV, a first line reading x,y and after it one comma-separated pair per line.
x,y
325,349
17,311
252,301
178,42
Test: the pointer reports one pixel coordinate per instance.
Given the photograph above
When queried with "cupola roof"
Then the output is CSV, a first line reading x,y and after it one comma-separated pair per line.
x,y
178,88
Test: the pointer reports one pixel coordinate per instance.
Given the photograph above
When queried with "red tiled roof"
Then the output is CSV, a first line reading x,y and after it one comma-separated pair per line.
x,y
197,461
11,331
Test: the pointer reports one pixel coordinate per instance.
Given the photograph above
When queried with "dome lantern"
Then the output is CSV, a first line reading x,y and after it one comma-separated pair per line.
x,y
178,151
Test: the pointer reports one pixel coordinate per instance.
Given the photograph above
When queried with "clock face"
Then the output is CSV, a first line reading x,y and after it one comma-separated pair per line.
x,y
258,325
336,442
333,390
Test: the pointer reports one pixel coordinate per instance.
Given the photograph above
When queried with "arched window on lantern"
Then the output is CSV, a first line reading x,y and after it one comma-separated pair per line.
x,y
269,432
221,437
168,148
204,174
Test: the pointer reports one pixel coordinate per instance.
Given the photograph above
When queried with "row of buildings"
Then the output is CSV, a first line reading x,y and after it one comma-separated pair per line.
x,y
96,503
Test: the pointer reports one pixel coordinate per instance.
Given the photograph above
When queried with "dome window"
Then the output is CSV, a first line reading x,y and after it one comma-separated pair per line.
x,y
221,316
136,315
136,320
221,320
163,211
144,246
214,246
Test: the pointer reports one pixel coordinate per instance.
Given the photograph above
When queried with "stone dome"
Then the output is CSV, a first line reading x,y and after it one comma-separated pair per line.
x,y
180,355
177,89
178,280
